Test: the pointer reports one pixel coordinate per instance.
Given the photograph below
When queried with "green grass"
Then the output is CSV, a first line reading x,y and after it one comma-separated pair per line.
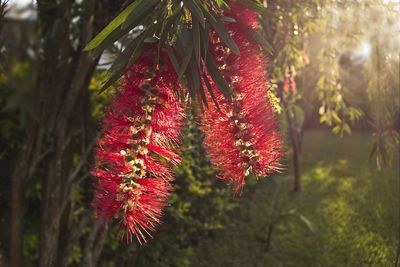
x,y
346,215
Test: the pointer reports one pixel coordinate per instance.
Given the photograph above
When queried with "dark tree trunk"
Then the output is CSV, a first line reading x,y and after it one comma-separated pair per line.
x,y
26,165
296,168
57,132
295,139
93,245
17,221
294,136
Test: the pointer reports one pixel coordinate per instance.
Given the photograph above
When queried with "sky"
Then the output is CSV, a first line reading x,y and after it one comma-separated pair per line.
x,y
17,10
20,3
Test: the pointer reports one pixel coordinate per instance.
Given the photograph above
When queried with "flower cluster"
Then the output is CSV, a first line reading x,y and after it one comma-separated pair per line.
x,y
242,137
141,130
138,147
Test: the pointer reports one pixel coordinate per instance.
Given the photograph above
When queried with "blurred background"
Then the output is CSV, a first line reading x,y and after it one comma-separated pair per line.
x,y
335,72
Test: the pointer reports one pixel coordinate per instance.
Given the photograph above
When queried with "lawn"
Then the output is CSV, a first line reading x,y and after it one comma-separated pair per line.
x,y
346,215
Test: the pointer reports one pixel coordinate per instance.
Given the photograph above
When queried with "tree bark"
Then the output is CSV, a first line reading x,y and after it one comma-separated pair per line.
x,y
94,244
296,167
295,139
17,212
57,126
26,165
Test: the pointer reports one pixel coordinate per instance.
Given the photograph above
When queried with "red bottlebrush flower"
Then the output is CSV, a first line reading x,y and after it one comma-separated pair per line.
x,y
137,149
243,138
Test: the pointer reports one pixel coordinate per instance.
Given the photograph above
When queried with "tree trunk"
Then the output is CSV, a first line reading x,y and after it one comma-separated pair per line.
x,y
94,244
56,193
59,115
17,207
26,165
296,168
295,139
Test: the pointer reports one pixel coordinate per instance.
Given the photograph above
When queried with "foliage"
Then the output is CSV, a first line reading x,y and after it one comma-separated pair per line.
x,y
181,28
341,67
352,207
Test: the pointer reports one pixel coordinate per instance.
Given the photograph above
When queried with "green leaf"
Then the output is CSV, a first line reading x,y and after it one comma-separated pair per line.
x,y
120,31
266,46
191,86
220,3
114,36
203,95
197,81
222,31
186,59
222,85
115,75
196,11
116,70
336,117
128,57
123,59
136,54
114,24
196,41
228,19
173,59
195,74
204,37
136,13
141,42
210,91
166,26
346,128
336,129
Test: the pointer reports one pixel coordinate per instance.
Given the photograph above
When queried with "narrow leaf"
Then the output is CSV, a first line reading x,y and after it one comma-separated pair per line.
x,y
195,74
196,42
222,31
195,10
128,57
115,23
217,77
265,45
210,91
186,59
135,14
204,42
113,37
173,59
166,26
228,19
141,42
191,86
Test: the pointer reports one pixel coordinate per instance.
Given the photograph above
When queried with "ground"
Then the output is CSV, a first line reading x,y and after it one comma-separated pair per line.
x,y
346,215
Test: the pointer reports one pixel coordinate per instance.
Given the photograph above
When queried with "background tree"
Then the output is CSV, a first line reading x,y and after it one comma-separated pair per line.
x,y
56,144
320,70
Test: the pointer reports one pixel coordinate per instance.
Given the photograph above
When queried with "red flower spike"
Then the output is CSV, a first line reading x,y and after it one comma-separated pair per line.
x,y
137,148
243,138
